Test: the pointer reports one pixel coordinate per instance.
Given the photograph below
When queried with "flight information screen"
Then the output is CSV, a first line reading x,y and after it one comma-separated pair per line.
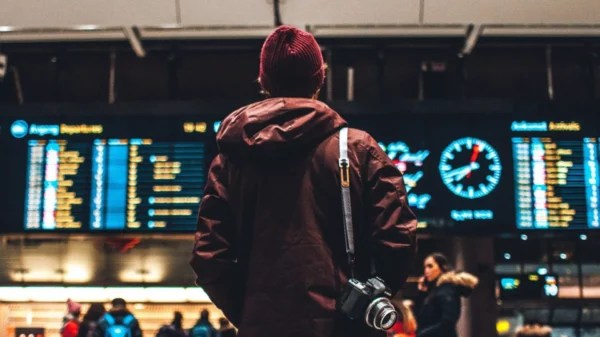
x,y
484,175
97,177
556,176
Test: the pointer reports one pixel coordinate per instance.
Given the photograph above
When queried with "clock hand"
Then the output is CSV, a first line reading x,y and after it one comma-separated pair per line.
x,y
474,157
458,171
467,171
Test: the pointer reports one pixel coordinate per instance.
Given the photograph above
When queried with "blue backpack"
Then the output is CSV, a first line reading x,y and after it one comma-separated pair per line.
x,y
200,331
118,330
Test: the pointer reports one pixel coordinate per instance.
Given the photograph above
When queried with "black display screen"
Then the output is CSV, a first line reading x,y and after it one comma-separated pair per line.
x,y
120,174
464,173
533,286
456,174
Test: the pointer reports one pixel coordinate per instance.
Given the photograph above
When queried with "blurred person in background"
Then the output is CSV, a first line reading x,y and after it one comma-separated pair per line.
x,y
118,322
70,327
534,329
406,325
175,329
441,289
91,319
226,329
203,327
270,245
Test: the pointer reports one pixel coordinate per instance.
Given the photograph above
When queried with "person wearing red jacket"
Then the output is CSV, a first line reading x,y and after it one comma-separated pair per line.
x,y
270,244
70,326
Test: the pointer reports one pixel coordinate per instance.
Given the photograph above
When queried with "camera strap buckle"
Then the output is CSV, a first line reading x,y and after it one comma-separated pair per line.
x,y
345,172
344,164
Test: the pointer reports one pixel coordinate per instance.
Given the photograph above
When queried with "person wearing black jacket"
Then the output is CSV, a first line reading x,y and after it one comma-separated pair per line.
x,y
175,329
226,329
441,290
203,322
91,319
121,316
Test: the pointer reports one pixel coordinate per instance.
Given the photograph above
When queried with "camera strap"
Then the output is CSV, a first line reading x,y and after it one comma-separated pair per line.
x,y
344,164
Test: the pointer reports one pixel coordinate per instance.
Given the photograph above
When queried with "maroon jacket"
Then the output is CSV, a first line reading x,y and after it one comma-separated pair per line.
x,y
270,249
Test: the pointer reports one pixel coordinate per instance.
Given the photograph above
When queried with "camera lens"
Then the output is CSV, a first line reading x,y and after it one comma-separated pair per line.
x,y
381,314
388,319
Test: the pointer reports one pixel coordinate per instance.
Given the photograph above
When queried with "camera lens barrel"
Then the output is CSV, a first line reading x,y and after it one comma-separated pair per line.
x,y
381,314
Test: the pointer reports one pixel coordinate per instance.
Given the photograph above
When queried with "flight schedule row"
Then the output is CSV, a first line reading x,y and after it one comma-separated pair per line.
x,y
556,183
114,184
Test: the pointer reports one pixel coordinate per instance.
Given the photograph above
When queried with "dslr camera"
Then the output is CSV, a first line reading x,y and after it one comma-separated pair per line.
x,y
371,301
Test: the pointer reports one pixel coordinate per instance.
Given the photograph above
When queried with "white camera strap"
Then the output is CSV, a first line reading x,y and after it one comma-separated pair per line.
x,y
344,164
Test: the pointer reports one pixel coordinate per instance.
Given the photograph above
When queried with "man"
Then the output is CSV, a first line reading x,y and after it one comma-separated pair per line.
x,y
118,322
270,244
226,329
175,329
203,327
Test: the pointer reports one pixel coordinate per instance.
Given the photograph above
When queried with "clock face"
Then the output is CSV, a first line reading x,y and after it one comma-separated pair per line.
x,y
470,168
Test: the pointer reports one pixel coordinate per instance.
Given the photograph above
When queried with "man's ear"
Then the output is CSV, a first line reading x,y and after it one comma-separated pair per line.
x,y
262,89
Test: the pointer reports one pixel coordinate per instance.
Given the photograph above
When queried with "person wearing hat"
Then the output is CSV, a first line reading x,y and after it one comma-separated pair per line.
x,y
270,245
70,326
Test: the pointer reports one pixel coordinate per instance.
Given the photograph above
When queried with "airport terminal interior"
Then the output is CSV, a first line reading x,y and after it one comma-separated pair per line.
x,y
109,113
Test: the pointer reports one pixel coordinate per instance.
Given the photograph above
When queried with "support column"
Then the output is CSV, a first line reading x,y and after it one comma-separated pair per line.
x,y
476,256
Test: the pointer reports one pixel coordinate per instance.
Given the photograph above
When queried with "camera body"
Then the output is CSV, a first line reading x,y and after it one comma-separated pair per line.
x,y
370,300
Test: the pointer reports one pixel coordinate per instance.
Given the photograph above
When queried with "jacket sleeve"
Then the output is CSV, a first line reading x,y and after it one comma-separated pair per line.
x,y
214,259
213,254
136,330
418,302
100,329
393,223
450,314
71,329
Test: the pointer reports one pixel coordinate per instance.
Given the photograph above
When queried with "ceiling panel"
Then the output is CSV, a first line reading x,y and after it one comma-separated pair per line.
x,y
66,13
350,12
213,13
511,12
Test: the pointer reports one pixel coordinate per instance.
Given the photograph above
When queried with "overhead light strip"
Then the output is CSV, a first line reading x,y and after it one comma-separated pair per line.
x,y
104,294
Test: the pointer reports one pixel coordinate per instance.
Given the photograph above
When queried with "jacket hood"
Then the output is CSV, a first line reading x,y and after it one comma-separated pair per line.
x,y
534,331
277,125
463,281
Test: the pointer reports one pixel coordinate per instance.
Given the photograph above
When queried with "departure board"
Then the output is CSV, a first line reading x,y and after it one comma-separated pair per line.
x,y
84,177
58,184
140,183
556,178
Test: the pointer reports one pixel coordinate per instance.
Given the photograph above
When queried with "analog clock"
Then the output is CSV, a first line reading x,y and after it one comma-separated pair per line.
x,y
470,168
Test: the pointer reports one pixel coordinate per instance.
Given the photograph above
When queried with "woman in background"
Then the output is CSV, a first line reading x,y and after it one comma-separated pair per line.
x,y
90,320
441,289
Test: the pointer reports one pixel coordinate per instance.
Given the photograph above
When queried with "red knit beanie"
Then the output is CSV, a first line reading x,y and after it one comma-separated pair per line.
x,y
291,63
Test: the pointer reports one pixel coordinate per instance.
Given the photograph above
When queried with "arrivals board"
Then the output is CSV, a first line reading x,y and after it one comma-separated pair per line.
x,y
556,176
